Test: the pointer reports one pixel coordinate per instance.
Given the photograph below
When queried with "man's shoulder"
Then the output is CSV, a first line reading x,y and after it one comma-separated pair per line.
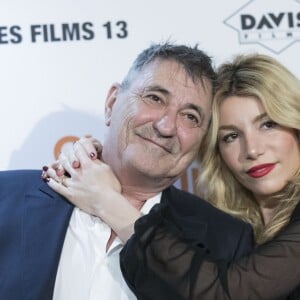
x,y
17,174
18,185
24,182
20,177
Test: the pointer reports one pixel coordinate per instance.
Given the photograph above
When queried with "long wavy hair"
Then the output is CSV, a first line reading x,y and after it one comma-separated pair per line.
x,y
264,78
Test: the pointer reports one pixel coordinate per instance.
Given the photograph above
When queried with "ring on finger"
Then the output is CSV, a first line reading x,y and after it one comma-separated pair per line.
x,y
63,180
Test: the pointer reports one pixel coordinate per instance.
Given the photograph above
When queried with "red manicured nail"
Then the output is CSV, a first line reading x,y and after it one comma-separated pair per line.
x,y
75,164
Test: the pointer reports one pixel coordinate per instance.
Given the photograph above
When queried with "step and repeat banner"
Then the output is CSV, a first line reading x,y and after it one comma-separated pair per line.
x,y
59,57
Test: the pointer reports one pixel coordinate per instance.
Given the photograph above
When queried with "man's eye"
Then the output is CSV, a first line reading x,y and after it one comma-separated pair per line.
x,y
154,98
192,118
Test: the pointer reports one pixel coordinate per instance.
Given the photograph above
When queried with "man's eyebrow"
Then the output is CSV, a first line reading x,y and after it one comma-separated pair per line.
x,y
157,88
195,107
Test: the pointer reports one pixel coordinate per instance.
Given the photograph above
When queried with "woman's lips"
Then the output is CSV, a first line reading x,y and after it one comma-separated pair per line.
x,y
260,170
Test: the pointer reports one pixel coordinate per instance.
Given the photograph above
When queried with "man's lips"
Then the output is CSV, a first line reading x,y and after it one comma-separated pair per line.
x,y
157,144
260,170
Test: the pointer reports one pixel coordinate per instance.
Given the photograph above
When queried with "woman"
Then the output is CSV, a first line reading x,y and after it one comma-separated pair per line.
x,y
251,163
249,81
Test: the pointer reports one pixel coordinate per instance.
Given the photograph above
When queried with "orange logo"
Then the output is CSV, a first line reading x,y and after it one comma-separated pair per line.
x,y
61,142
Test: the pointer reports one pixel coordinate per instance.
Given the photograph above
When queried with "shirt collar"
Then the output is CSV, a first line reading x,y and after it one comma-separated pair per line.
x,y
150,203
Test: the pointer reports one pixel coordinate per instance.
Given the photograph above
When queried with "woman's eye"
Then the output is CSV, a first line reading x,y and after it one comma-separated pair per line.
x,y
269,124
230,137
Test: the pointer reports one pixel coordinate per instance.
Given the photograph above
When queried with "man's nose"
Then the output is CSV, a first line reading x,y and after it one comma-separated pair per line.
x,y
166,124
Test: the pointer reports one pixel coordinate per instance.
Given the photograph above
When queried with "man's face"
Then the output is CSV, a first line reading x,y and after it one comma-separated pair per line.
x,y
158,122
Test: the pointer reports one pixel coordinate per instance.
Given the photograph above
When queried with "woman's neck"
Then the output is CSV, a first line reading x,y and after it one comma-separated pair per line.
x,y
267,207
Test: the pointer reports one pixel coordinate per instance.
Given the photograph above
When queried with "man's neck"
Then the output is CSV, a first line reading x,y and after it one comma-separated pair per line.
x,y
136,187
138,197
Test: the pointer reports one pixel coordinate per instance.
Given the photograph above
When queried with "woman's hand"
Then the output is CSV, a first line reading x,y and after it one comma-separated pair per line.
x,y
92,186
88,186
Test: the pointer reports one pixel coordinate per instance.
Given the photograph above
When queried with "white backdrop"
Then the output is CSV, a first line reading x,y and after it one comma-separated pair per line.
x,y
59,57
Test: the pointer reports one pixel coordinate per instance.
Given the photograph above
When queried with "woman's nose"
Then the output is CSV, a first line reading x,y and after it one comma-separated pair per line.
x,y
253,147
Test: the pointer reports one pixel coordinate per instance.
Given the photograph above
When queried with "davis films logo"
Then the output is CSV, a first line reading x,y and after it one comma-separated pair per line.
x,y
274,24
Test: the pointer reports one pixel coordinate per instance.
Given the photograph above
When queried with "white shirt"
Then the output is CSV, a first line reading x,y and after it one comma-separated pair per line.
x,y
86,271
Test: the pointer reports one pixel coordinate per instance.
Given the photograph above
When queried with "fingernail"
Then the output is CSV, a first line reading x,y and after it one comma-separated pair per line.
x,y
75,164
45,168
46,179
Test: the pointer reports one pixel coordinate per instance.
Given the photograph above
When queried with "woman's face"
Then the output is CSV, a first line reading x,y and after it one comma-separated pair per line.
x,y
261,154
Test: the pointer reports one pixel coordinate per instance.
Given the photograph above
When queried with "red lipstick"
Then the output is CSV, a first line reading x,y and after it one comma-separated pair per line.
x,y
260,170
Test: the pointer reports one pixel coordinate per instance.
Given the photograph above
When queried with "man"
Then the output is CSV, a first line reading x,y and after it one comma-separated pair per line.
x,y
156,120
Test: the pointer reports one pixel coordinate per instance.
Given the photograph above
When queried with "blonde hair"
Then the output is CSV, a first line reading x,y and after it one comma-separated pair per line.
x,y
278,90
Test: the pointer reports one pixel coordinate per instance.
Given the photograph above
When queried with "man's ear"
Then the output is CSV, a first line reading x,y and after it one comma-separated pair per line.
x,y
110,101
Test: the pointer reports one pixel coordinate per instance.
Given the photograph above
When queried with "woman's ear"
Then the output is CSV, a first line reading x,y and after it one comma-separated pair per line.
x,y
110,101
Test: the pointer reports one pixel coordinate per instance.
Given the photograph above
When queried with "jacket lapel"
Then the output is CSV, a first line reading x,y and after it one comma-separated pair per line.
x,y
45,221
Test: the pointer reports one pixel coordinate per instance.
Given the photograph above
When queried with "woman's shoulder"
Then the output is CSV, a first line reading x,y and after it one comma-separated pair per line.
x,y
191,204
